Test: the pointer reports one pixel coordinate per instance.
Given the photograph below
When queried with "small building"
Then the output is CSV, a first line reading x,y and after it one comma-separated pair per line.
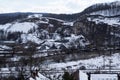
x,y
80,75
104,76
83,75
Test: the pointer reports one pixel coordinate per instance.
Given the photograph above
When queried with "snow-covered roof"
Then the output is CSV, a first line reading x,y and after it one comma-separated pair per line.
x,y
104,77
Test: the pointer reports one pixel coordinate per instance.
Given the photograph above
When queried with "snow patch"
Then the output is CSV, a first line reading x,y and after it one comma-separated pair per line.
x,y
30,37
35,15
40,77
109,21
22,27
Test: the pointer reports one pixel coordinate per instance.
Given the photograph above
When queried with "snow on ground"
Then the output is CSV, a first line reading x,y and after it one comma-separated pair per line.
x,y
40,77
68,23
15,58
35,15
4,27
110,21
55,19
93,63
2,47
5,71
30,37
76,40
111,12
22,27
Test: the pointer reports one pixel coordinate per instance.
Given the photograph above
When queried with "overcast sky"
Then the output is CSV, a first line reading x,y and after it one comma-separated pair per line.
x,y
49,6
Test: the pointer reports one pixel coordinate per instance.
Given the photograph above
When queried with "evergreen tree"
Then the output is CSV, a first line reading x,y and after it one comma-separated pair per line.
x,y
67,76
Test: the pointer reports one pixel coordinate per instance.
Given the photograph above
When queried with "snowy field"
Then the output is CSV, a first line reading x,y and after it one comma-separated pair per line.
x,y
93,63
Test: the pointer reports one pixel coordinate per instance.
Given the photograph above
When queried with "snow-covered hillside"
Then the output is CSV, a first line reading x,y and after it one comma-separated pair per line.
x,y
109,12
104,9
18,27
53,32
54,44
110,21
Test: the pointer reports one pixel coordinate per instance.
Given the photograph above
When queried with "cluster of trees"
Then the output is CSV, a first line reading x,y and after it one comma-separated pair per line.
x,y
13,35
21,66
10,17
10,36
67,76
2,35
97,34
102,6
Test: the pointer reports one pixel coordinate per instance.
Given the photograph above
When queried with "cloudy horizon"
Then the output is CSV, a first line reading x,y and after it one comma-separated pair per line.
x,y
47,6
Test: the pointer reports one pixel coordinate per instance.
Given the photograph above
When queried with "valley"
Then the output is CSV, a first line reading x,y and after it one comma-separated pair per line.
x,y
44,46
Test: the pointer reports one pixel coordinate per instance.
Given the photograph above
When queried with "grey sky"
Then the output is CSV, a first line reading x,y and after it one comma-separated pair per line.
x,y
49,6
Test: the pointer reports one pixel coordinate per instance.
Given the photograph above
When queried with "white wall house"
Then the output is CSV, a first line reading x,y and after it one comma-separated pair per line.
x,y
83,76
103,77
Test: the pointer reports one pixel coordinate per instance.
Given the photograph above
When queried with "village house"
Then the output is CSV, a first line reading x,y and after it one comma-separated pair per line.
x,y
81,75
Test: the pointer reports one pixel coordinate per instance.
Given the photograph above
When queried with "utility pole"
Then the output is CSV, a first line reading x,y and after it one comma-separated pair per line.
x,y
112,45
110,60
110,48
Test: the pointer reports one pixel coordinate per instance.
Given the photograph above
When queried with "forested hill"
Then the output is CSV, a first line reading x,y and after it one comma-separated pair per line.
x,y
10,17
105,9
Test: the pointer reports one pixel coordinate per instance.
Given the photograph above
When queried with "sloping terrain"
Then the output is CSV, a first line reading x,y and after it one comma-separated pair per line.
x,y
86,40
105,9
51,31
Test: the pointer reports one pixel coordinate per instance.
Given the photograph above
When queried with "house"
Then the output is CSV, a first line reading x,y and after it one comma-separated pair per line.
x,y
104,76
82,75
